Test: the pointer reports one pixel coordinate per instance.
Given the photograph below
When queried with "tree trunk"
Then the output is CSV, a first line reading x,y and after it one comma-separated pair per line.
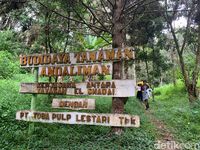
x,y
146,65
194,90
173,67
118,39
147,69
190,87
153,76
161,79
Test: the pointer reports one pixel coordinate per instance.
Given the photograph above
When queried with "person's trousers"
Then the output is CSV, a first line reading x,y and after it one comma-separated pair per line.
x,y
146,102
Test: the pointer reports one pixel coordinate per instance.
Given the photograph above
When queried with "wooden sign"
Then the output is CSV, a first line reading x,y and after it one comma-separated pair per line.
x,y
113,88
117,120
56,59
74,104
74,70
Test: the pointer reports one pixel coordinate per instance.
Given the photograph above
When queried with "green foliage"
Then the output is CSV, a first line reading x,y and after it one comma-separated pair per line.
x,y
92,42
158,63
5,38
10,102
172,107
9,42
8,65
170,90
146,25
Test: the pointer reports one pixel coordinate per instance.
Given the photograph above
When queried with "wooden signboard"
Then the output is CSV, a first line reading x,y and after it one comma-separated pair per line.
x,y
117,120
76,70
56,59
74,104
112,88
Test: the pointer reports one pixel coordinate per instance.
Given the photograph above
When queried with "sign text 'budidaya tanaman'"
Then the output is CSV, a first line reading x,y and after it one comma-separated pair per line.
x,y
74,104
118,120
36,60
113,88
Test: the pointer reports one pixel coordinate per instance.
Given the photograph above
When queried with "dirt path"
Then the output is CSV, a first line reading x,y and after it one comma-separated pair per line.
x,y
165,139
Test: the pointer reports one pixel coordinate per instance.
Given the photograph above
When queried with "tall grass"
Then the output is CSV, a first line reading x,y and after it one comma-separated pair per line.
x,y
172,106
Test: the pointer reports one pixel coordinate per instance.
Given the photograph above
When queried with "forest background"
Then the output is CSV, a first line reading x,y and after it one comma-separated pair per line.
x,y
167,56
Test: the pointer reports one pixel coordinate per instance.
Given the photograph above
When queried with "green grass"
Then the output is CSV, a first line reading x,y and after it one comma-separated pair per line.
x,y
172,107
14,134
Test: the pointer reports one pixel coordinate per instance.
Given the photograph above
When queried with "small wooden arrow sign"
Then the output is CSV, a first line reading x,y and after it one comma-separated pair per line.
x,y
74,104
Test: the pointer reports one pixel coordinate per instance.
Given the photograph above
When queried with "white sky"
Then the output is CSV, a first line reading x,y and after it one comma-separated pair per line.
x,y
180,23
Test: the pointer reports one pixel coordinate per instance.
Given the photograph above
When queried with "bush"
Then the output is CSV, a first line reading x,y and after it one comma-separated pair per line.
x,y
169,90
8,65
10,42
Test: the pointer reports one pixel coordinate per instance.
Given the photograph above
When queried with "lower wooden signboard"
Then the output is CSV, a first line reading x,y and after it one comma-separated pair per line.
x,y
112,88
117,120
74,104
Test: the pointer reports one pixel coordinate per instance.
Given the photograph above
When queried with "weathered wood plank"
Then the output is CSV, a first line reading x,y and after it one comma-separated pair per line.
x,y
87,57
74,104
118,120
113,88
74,70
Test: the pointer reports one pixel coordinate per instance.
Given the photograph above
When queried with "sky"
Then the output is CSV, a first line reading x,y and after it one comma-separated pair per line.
x,y
179,23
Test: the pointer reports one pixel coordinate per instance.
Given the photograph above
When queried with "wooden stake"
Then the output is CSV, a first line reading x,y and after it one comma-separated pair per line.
x,y
33,102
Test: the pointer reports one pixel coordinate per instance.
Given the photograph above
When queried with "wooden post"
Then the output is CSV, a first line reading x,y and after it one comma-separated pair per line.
x,y
33,101
34,96
118,38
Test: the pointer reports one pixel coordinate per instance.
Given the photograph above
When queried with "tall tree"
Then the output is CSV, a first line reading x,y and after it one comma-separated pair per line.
x,y
190,10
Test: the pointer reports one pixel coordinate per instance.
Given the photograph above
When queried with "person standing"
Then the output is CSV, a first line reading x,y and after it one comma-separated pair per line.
x,y
145,95
139,91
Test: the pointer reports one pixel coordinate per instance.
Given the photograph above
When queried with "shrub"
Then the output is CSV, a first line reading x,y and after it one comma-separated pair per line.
x,y
10,42
8,65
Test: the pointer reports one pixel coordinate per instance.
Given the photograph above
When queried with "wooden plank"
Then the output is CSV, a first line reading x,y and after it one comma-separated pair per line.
x,y
117,120
86,57
113,88
74,70
74,104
